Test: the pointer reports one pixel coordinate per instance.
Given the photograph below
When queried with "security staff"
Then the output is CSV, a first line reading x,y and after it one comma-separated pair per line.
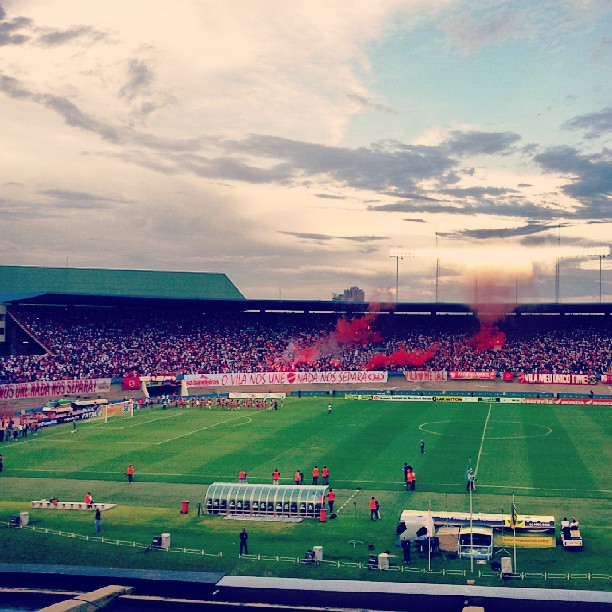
x,y
411,478
331,498
315,475
374,515
325,475
244,547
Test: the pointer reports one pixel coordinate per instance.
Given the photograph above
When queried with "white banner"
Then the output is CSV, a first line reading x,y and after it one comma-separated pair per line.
x,y
472,375
424,376
241,379
58,387
530,378
570,401
428,398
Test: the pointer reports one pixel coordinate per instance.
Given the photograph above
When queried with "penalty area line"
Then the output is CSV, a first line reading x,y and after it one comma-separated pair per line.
x,y
153,420
189,433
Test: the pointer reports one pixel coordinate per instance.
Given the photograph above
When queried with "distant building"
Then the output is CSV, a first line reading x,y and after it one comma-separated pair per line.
x,y
352,294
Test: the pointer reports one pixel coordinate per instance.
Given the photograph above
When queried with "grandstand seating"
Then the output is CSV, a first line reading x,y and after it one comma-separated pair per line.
x,y
114,342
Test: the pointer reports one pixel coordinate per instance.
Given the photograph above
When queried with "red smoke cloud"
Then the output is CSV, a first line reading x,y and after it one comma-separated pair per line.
x,y
347,333
402,357
488,337
358,332
491,305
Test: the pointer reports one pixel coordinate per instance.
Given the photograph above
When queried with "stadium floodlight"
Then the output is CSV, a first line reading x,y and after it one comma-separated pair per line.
x,y
600,252
579,253
399,254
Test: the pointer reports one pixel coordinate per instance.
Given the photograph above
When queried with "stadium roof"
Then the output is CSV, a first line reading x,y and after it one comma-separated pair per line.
x,y
21,281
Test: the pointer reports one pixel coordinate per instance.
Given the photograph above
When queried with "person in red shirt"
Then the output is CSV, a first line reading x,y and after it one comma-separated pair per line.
x,y
374,515
275,476
89,501
130,473
325,475
331,498
297,477
315,475
411,478
242,476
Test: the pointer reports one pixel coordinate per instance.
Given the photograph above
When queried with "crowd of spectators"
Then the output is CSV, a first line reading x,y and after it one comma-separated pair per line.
x,y
82,343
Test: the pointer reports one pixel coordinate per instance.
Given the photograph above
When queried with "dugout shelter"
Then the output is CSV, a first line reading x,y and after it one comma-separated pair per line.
x,y
297,501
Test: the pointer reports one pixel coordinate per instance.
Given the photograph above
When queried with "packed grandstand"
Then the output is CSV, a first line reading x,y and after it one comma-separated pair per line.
x,y
76,324
85,343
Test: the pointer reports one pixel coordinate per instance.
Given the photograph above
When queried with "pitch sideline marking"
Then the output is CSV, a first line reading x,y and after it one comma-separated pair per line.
x,y
436,484
87,423
347,501
484,432
203,429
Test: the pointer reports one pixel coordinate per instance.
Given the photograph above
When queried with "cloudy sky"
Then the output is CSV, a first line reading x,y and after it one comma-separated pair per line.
x,y
291,145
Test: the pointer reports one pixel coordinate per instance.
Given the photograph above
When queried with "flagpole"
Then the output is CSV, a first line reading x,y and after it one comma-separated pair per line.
x,y
471,535
429,540
514,529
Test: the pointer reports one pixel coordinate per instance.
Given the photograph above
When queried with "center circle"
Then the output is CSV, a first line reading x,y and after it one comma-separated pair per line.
x,y
542,430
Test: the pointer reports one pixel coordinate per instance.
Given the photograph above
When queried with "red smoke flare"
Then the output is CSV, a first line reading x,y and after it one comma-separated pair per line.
x,y
347,333
492,298
488,337
401,358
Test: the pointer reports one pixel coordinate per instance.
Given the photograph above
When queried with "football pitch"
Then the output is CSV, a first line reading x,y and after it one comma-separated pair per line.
x,y
554,459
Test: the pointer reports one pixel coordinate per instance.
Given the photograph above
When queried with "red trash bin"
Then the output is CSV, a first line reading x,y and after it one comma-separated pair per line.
x,y
184,507
323,515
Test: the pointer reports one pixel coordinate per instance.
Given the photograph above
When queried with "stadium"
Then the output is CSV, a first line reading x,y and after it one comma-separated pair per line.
x,y
218,403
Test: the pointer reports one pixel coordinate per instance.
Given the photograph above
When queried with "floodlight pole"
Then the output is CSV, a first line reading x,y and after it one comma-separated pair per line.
x,y
437,268
397,279
558,267
398,254
601,253
600,284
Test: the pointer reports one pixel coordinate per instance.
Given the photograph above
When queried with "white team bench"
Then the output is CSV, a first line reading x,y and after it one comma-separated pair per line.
x,y
62,505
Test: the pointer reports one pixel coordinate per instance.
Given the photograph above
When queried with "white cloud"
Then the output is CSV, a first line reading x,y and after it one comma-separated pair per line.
x,y
191,135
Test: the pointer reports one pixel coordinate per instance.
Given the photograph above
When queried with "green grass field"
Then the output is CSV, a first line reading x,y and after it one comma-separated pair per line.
x,y
556,459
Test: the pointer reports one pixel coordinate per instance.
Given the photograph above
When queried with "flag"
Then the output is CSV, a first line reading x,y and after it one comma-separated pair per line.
x,y
131,383
513,514
431,528
431,532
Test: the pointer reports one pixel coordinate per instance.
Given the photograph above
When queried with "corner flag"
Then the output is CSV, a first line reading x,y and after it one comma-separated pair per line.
x,y
513,514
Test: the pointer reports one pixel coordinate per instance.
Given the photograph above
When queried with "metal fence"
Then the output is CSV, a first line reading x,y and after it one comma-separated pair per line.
x,y
546,576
